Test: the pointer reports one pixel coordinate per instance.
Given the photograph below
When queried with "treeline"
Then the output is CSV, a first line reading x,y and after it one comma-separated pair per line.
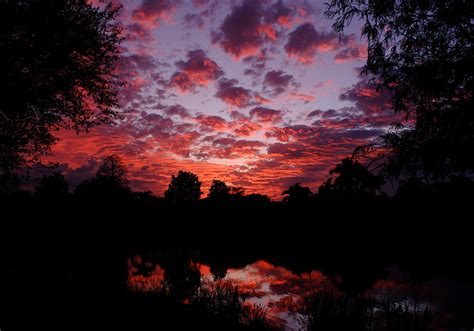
x,y
350,182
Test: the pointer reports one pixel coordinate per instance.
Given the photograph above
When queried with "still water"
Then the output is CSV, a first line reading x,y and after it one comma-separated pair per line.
x,y
282,292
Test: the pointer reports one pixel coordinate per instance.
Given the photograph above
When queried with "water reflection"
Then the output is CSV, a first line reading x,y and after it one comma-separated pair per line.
x,y
281,293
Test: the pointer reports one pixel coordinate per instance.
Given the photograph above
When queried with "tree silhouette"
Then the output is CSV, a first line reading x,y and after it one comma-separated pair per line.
x,y
257,200
109,183
237,191
184,188
421,53
113,169
218,189
353,182
57,59
354,176
53,187
297,194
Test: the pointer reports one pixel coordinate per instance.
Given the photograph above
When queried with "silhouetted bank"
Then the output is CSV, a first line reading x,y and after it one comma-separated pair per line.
x,y
72,248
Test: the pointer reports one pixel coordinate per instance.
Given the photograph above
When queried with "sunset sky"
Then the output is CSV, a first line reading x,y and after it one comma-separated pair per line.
x,y
260,94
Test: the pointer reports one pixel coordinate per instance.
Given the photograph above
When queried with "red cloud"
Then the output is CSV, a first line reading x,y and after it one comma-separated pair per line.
x,y
281,14
247,129
366,98
233,95
304,43
182,81
213,122
229,148
150,12
197,70
243,33
266,115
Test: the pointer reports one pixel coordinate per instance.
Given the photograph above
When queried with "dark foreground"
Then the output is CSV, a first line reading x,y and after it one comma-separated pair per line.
x,y
69,266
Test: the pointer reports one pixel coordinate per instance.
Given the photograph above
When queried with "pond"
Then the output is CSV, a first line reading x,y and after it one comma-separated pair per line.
x,y
287,295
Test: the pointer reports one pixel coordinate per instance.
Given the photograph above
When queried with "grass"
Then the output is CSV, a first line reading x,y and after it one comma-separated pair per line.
x,y
326,310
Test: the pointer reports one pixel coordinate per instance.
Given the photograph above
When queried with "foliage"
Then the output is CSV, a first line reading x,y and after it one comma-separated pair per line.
x,y
57,60
326,310
218,189
113,168
109,183
420,52
184,188
226,303
354,176
297,194
52,187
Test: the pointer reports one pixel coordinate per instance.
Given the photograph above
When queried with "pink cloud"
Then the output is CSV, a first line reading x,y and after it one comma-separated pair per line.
x,y
304,97
243,33
233,95
151,12
304,43
278,81
197,70
266,115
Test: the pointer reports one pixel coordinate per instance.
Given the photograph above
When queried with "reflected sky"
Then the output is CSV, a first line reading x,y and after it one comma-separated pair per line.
x,y
281,291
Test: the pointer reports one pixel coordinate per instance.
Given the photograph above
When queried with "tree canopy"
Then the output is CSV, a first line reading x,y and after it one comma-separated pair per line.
x,y
113,168
53,186
184,188
57,59
109,183
421,53
297,194
218,189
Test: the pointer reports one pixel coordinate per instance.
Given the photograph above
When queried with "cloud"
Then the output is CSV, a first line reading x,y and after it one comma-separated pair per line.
x,y
231,148
366,98
233,95
262,100
300,96
266,115
281,14
304,43
137,32
243,33
176,110
352,51
200,3
196,20
277,81
151,12
247,129
216,123
132,70
197,70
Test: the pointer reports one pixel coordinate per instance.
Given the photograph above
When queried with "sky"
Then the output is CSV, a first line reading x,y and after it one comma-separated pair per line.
x,y
259,94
